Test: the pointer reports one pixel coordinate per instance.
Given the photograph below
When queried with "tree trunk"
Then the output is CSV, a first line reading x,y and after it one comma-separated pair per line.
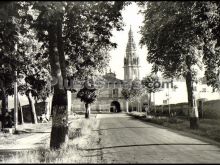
x,y
149,101
141,106
4,106
192,106
46,109
146,110
32,106
50,105
4,103
69,102
21,117
88,108
4,98
155,111
127,106
21,112
59,132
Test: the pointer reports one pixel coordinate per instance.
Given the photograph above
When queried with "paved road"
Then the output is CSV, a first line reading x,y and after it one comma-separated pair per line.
x,y
128,140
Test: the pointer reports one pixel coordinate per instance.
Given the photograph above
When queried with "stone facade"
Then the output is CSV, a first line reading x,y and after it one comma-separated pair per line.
x,y
131,60
110,98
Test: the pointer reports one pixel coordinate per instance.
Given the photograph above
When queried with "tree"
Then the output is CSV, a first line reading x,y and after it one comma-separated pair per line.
x,y
174,43
126,94
132,91
149,83
88,95
11,27
7,9
35,70
208,22
74,35
20,51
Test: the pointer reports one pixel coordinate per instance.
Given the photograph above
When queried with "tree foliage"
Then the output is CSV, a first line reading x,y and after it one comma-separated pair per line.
x,y
172,37
182,38
75,36
11,27
88,93
133,90
86,32
208,20
148,83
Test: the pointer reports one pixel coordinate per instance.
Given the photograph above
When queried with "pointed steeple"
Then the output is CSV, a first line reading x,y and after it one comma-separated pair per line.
x,y
131,60
131,47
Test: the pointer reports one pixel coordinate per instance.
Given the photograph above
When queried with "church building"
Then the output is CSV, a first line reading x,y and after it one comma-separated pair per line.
x,y
131,60
110,99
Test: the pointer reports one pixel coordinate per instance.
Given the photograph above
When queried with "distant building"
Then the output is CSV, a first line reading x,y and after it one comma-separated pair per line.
x,y
131,60
178,93
110,98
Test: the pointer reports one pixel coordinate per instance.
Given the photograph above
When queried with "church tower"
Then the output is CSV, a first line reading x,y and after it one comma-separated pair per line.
x,y
131,60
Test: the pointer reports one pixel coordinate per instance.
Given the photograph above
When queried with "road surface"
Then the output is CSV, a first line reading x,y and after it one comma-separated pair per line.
x,y
124,139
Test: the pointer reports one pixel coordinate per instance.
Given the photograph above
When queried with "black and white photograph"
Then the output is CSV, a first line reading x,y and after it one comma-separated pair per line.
x,y
109,82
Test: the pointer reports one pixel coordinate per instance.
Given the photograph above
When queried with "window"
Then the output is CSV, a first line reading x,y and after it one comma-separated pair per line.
x,y
165,102
203,89
115,92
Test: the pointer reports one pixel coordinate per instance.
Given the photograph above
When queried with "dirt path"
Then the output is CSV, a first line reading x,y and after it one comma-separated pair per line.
x,y
39,136
32,141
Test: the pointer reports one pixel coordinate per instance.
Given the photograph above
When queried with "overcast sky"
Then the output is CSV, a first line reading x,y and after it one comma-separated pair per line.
x,y
130,17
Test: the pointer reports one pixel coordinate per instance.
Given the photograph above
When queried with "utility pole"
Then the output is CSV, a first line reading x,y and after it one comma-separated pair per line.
x,y
15,101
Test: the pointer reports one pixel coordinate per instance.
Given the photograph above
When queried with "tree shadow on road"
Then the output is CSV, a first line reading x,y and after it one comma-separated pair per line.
x,y
119,128
142,145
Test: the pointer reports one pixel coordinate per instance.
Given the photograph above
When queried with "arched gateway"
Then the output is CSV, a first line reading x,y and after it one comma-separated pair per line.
x,y
115,107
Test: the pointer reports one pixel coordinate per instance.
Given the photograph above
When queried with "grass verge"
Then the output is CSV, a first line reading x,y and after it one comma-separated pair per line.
x,y
208,128
81,135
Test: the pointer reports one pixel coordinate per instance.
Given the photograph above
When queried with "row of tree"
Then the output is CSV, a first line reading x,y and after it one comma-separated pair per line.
x,y
183,38
136,89
47,40
54,40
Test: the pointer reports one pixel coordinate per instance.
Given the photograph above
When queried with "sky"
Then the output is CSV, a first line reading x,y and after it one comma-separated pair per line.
x,y
132,18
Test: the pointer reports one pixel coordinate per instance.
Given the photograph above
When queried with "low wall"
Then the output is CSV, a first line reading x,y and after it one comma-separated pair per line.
x,y
211,109
39,107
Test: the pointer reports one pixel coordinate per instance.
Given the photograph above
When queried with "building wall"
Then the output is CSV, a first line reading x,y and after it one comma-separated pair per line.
x,y
100,105
131,72
179,95
212,109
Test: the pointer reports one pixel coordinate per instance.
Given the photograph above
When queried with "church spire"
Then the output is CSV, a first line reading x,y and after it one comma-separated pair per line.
x,y
131,60
131,47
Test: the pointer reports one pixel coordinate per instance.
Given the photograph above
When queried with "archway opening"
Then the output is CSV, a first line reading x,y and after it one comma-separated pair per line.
x,y
115,107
